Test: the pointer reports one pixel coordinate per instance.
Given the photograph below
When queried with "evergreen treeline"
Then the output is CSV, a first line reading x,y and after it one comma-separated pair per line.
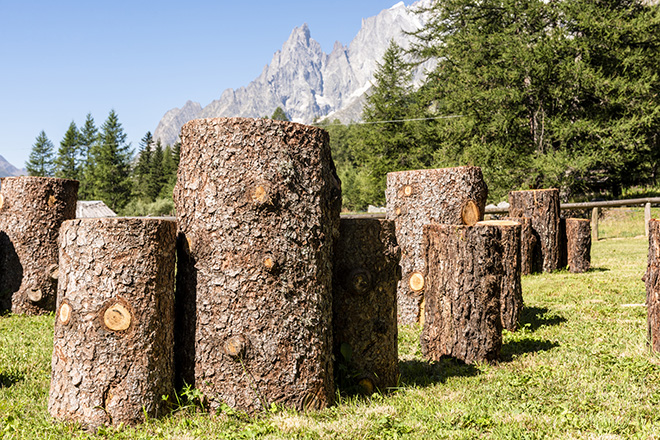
x,y
538,93
103,162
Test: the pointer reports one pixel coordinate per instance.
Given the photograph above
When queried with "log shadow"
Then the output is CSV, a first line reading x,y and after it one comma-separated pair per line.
x,y
536,317
185,313
512,349
7,379
423,373
11,272
598,269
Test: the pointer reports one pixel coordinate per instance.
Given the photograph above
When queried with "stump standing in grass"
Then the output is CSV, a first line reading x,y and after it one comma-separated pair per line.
x,y
530,261
419,197
511,298
366,273
31,212
258,206
652,281
542,206
578,244
462,295
113,349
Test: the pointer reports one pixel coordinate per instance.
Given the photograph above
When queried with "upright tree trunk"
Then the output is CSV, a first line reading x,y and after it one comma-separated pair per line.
x,y
652,282
113,347
31,212
366,273
462,296
419,197
578,244
258,206
542,206
530,261
511,298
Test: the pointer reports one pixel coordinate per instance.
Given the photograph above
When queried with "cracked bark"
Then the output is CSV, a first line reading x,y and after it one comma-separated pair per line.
x,y
578,244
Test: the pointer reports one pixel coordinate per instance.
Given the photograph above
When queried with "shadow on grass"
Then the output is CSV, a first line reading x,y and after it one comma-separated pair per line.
x,y
513,349
535,317
8,379
598,269
422,373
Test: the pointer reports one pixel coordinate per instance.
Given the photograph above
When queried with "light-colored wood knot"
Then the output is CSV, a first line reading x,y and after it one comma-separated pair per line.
x,y
416,281
397,211
470,213
65,313
407,190
34,294
52,200
53,272
270,263
259,194
236,346
360,281
422,316
2,201
117,317
366,386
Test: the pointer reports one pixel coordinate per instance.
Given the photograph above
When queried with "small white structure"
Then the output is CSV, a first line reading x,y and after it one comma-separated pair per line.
x,y
93,209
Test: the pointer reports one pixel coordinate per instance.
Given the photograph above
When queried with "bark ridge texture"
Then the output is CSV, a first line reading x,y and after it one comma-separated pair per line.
x,y
578,244
258,206
113,354
31,212
652,282
366,273
530,261
417,198
462,297
542,206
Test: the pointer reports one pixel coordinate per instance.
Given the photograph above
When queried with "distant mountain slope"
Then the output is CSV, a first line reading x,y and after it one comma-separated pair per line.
x,y
8,170
306,82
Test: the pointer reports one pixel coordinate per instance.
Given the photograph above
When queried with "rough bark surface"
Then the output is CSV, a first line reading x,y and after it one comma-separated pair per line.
x,y
416,198
578,244
113,354
258,206
530,261
462,296
652,282
366,273
31,212
511,297
542,206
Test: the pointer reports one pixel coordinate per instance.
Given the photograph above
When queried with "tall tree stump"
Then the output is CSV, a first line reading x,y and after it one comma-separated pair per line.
x,y
113,354
419,197
31,212
462,296
365,276
530,261
578,244
542,206
511,297
652,282
258,206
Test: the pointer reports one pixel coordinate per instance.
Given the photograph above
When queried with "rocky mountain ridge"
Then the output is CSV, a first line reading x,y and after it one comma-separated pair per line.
x,y
9,170
306,82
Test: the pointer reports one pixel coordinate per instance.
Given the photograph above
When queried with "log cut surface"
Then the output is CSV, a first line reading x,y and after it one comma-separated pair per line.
x,y
113,347
366,273
258,206
462,297
31,212
419,197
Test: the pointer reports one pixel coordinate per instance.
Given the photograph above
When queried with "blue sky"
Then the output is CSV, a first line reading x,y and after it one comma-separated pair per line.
x,y
61,60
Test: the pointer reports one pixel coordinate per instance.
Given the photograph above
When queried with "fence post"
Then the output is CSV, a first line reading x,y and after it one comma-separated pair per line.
x,y
647,218
594,224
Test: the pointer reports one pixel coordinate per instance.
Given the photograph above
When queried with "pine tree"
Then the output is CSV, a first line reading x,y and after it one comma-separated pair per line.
x,y
40,162
87,139
143,166
110,173
67,164
156,173
279,115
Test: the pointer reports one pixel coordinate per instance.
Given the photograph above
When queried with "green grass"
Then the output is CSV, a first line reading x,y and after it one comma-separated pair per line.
x,y
579,368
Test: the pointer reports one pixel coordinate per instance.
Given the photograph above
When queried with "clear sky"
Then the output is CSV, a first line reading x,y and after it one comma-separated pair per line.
x,y
60,60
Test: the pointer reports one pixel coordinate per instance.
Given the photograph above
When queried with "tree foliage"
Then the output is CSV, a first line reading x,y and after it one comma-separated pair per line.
x,y
67,165
41,162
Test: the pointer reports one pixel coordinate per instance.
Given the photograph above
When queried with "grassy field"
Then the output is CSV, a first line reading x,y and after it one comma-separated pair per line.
x,y
578,368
